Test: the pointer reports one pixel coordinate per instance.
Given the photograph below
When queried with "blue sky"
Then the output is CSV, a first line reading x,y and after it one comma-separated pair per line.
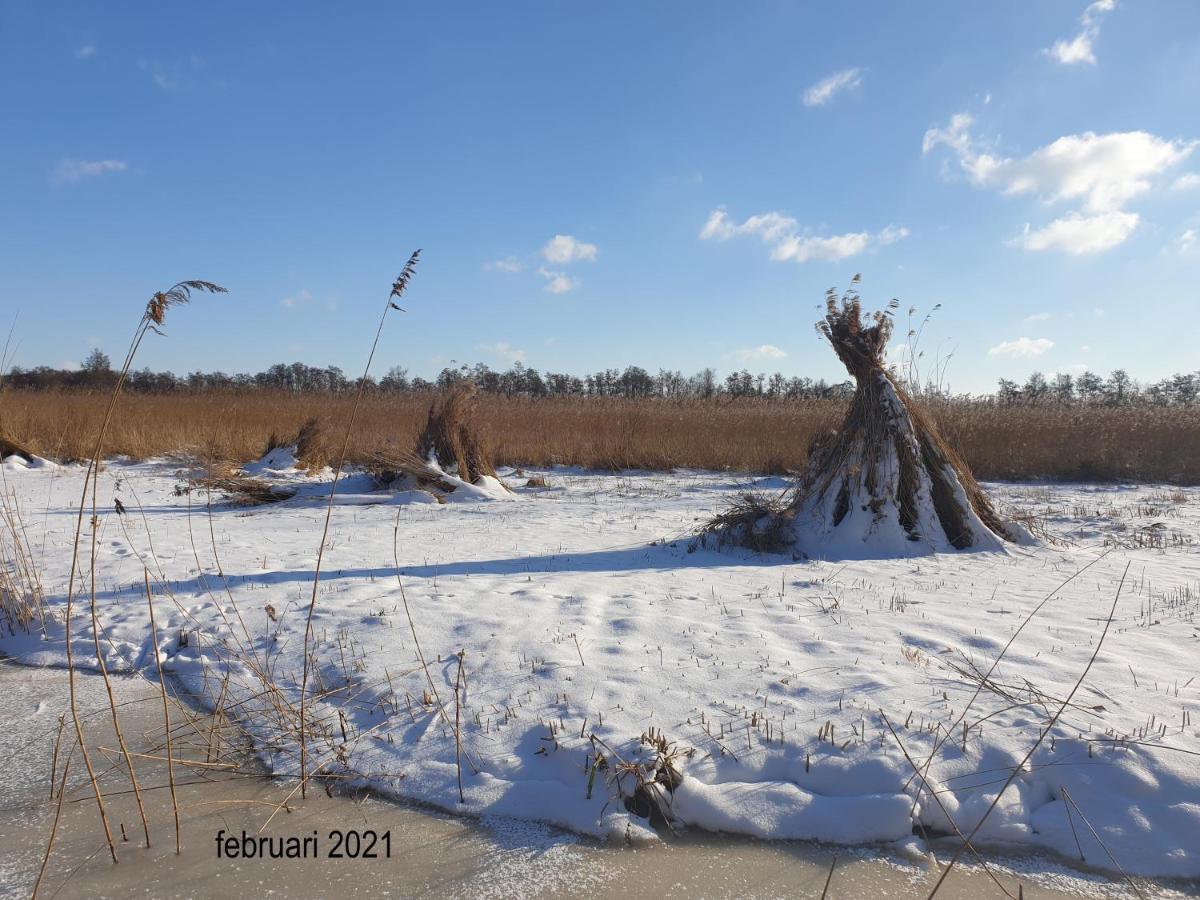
x,y
671,184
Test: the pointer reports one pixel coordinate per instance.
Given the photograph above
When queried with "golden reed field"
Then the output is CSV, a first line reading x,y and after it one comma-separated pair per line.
x,y
1083,442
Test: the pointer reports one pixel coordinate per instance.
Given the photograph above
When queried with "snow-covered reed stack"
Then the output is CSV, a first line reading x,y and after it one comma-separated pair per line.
x,y
885,480
451,436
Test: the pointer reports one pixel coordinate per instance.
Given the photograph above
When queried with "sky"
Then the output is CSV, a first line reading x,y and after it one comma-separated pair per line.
x,y
669,185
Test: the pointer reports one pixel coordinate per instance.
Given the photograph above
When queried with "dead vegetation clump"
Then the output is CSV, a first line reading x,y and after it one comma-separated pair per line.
x,y
757,521
227,479
214,473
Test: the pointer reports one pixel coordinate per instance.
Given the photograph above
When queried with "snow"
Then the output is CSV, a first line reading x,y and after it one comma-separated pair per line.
x,y
584,608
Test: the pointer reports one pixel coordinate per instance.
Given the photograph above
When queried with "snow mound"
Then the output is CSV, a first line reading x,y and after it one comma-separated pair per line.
x,y
275,460
783,810
17,463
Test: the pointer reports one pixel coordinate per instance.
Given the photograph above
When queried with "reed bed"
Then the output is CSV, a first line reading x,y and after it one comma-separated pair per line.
x,y
1144,443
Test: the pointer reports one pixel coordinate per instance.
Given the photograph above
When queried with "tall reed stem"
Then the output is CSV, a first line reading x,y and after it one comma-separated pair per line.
x,y
398,288
151,318
162,686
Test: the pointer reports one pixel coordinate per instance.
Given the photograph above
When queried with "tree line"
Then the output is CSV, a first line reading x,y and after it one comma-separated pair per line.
x,y
96,373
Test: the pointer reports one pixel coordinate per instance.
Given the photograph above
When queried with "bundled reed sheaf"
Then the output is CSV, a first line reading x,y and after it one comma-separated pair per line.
x,y
451,443
885,476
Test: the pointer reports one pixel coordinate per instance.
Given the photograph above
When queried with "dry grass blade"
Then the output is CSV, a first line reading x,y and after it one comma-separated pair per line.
x,y
1020,767
829,878
932,792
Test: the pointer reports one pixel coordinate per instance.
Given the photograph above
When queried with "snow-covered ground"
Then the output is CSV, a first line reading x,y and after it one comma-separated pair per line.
x,y
584,609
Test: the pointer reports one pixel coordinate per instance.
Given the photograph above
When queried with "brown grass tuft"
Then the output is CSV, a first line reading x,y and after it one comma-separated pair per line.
x,y
309,445
21,599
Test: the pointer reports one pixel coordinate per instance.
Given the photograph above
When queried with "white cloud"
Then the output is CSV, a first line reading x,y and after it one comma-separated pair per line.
x,y
73,171
1036,317
300,298
1105,171
504,351
510,265
1097,312
763,351
1076,50
1186,182
1102,172
1021,348
558,282
827,88
563,248
1078,234
781,233
87,51
1187,241
1079,49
